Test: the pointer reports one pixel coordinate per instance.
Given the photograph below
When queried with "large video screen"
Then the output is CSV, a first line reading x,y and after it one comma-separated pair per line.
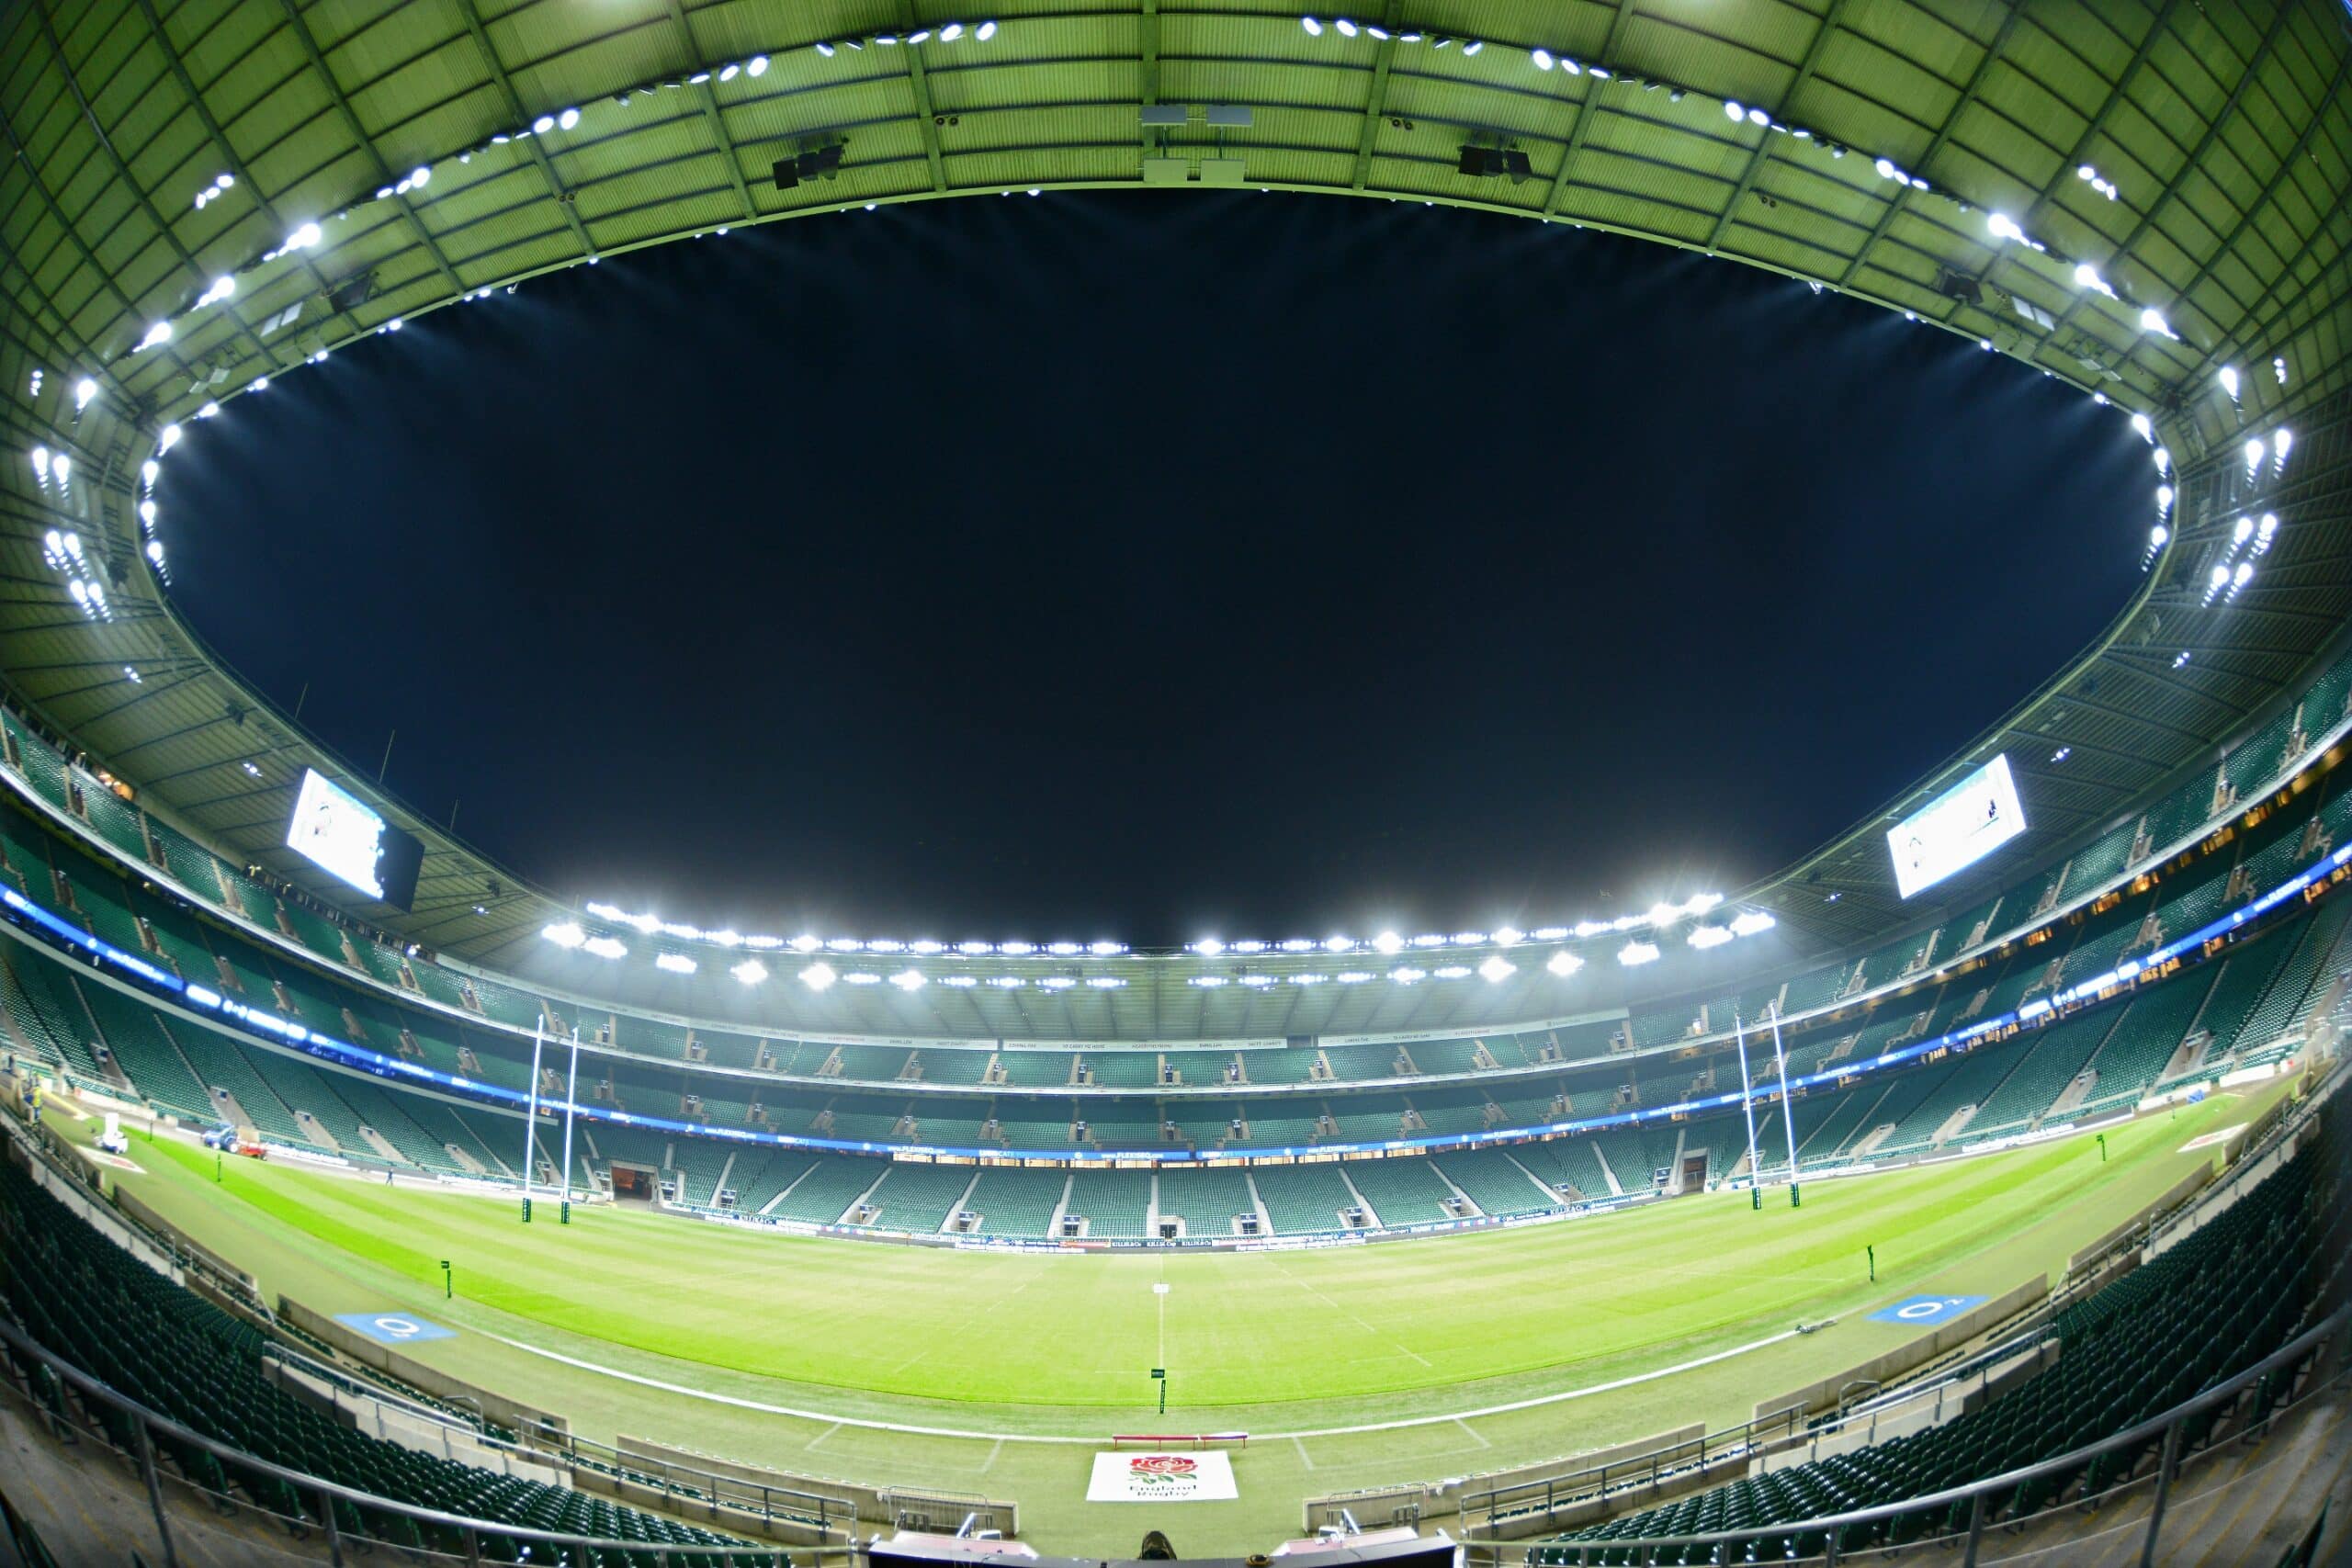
x,y
343,837
1957,828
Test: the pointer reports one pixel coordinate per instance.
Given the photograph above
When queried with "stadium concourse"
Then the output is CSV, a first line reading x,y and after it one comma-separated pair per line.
x,y
1978,1178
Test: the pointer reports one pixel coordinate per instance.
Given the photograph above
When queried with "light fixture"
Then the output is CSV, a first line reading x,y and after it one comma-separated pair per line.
x,y
568,118
1563,963
1635,953
1733,111
1387,942
1497,969
756,66
818,975
565,934
985,31
2228,379
1405,975
1705,937
1747,923
910,981
676,962
605,947
750,972
83,391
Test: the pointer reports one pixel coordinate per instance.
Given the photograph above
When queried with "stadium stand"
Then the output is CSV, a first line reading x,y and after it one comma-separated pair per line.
x,y
824,1194
1496,1182
2255,1276
917,1198
80,1296
1208,1202
1303,1199
1112,1203
1013,1202
1402,1192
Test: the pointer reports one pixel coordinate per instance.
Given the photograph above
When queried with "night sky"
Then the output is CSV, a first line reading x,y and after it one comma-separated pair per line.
x,y
1154,565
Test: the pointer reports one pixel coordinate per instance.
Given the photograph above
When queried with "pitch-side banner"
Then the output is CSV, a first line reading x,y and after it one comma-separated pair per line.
x,y
1162,1478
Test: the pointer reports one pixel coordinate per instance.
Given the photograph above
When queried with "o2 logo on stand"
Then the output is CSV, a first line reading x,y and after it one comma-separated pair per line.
x,y
393,1327
1925,1312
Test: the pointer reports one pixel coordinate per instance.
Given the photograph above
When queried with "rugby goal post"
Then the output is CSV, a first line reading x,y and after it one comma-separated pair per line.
x,y
1172,1439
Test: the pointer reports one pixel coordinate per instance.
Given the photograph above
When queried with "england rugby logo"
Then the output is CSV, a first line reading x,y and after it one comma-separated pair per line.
x,y
1162,1470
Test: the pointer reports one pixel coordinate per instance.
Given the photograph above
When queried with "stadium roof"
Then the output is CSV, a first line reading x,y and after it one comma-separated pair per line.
x,y
2130,196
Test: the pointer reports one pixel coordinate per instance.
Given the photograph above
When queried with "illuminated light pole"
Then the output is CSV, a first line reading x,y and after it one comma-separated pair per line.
x,y
531,1114
1748,1108
1788,1113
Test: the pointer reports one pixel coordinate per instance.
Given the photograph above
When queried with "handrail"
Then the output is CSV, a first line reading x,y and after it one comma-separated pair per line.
x,y
2162,1424
92,1389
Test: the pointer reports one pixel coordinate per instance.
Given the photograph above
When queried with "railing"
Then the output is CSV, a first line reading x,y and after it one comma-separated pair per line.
x,y
1831,1537
1645,1472
349,1521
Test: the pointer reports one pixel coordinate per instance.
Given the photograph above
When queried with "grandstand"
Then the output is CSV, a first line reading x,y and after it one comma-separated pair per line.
x,y
862,1207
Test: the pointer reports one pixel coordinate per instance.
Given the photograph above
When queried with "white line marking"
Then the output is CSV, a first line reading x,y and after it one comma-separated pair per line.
x,y
1302,1453
989,1463
742,1404
821,1437
1470,1433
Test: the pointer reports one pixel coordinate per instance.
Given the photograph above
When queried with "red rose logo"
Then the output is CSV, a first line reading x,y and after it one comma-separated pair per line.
x,y
1160,1468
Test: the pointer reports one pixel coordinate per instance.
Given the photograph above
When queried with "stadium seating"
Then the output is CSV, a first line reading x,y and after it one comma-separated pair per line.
x,y
84,1298
824,1194
1303,1199
1113,1202
1016,1203
917,1198
2220,1300
1402,1192
1208,1202
1496,1182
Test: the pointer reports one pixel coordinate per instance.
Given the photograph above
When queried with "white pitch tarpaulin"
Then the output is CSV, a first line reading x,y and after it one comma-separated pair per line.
x,y
1206,1477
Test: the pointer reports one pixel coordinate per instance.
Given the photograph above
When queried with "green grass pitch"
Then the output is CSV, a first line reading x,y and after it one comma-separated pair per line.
x,y
1020,1349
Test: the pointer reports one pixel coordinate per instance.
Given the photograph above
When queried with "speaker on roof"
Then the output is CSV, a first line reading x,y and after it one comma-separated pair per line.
x,y
787,173
1959,285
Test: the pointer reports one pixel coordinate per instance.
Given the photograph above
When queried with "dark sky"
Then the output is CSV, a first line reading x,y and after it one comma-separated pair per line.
x,y
1150,566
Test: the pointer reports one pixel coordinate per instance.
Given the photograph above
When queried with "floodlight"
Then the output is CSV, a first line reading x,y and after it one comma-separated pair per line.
x,y
2088,277
985,31
750,972
1663,914
803,943
1468,939
2164,499
862,978
825,48
2241,532
1299,945
1473,47
960,982
1257,981
1010,949
1747,923
1064,949
2282,442
1451,972
1709,936
542,125
844,944
1563,963
1758,117
2159,537
1106,949
2164,459
605,947
566,934
85,389
757,66
1885,167
1314,29
161,333
1306,980
167,438
921,35
818,975
1347,28
1007,982
1208,947
926,947
909,980
886,944
1549,933
2253,455
2144,426
1733,111
2152,320
1405,975
1635,953
2228,379
1497,969
1351,977
1104,982
1338,944
1387,942
1250,944
303,237
2001,226
951,32
1209,982
568,118
1542,58
676,962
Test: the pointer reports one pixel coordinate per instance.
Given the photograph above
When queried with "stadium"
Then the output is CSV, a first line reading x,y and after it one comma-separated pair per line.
x,y
1971,1189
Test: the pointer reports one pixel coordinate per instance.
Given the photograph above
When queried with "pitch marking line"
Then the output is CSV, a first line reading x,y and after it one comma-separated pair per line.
x,y
739,1403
